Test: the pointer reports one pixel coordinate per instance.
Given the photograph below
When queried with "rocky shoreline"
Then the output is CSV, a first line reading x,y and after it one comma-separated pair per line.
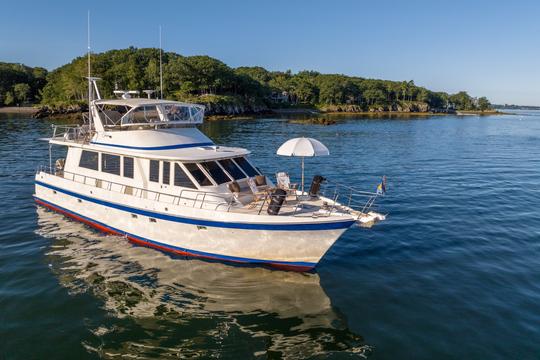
x,y
215,111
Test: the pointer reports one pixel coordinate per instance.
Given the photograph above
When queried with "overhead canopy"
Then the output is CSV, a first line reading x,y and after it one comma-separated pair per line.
x,y
303,147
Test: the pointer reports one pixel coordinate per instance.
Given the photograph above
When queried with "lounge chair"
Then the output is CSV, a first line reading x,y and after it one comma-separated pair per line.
x,y
284,182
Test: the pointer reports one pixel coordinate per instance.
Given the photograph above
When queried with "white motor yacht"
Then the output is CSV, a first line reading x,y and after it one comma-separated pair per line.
x,y
140,168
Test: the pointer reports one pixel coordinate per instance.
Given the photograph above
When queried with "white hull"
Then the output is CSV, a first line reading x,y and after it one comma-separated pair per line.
x,y
296,243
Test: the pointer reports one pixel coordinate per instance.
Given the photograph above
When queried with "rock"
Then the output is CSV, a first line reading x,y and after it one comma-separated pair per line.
x,y
48,111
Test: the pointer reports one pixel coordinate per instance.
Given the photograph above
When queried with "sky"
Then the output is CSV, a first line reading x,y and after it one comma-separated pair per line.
x,y
487,48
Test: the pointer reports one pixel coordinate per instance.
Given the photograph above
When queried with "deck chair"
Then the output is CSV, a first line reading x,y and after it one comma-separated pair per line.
x,y
284,182
253,186
240,196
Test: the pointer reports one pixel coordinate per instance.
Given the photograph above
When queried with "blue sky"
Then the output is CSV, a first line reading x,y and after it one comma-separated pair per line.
x,y
489,48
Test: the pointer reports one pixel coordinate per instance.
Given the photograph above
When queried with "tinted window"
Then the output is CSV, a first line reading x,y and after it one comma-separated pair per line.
x,y
128,167
232,169
246,166
154,170
181,179
89,160
110,164
198,174
166,172
217,173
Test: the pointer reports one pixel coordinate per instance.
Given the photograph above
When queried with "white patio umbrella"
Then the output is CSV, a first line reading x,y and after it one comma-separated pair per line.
x,y
303,147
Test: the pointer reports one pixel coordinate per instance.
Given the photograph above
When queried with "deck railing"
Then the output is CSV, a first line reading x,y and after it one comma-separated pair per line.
x,y
73,133
193,198
357,200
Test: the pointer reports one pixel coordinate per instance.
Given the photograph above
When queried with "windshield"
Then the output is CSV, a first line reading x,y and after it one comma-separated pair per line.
x,y
175,112
198,174
232,169
215,171
142,115
246,166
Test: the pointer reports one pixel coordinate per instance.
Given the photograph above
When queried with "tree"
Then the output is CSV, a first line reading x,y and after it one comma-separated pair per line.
x,y
8,98
423,95
190,77
483,103
257,73
462,101
21,92
305,90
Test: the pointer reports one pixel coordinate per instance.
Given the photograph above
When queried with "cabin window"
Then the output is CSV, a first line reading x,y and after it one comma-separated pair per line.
x,y
154,170
89,160
110,164
166,172
128,167
217,173
181,179
198,174
232,169
246,166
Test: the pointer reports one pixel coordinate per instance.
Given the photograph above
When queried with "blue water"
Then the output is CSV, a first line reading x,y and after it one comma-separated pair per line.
x,y
454,273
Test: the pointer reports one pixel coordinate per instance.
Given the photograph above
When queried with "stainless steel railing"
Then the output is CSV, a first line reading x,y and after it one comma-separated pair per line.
x,y
73,133
341,194
354,199
192,198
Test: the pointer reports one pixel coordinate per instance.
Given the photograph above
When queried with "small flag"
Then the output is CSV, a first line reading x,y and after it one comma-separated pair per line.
x,y
381,188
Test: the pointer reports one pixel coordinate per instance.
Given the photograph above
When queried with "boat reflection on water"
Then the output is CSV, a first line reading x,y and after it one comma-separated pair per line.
x,y
171,306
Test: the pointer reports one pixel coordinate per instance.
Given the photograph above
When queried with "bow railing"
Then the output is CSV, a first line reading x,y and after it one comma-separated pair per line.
x,y
345,195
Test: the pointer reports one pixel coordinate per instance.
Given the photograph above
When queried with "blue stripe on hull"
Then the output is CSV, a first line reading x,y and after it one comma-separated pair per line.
x,y
166,147
291,264
201,222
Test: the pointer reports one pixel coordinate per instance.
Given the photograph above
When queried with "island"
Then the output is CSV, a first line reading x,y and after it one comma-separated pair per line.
x,y
225,91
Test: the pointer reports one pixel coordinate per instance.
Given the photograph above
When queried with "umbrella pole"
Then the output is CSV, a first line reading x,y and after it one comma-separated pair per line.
x,y
302,175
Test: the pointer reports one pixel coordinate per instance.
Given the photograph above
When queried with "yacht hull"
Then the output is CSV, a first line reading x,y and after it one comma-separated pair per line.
x,y
296,246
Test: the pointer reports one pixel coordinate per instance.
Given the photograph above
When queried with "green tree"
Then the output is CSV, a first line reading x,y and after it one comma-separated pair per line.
x,y
21,91
462,101
9,99
483,103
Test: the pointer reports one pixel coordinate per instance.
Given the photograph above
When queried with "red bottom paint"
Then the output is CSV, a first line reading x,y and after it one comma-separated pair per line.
x,y
140,242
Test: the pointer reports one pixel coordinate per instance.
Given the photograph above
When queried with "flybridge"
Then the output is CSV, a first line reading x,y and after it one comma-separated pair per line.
x,y
135,113
139,113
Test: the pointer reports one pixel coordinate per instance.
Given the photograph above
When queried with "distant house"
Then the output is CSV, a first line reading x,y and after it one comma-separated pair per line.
x,y
280,97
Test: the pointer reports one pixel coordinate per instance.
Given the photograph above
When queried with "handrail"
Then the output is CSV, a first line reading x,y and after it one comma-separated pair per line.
x,y
75,133
144,193
356,199
199,199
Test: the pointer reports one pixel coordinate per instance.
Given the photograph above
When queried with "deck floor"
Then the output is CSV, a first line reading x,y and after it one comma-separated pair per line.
x,y
306,207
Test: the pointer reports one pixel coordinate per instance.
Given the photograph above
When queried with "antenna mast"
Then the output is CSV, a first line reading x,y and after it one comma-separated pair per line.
x,y
89,76
160,67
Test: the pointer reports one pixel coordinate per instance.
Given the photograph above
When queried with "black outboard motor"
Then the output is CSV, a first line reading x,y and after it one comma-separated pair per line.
x,y
276,201
316,185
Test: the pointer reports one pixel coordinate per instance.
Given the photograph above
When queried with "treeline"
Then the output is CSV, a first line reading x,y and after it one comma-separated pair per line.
x,y
204,79
20,84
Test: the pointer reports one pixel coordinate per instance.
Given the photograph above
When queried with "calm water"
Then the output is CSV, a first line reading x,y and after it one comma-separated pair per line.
x,y
454,273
